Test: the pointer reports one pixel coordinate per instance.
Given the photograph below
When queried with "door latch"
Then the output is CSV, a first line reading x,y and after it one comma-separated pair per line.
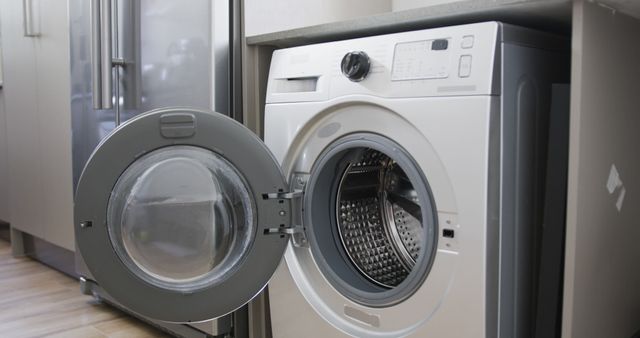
x,y
297,232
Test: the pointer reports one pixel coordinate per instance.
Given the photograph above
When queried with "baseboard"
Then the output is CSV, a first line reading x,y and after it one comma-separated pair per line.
x,y
49,254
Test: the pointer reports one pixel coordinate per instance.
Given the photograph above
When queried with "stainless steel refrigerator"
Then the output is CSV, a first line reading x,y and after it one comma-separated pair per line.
x,y
132,56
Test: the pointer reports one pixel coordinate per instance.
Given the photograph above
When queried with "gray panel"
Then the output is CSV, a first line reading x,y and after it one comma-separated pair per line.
x,y
549,311
527,75
601,293
521,36
45,252
242,149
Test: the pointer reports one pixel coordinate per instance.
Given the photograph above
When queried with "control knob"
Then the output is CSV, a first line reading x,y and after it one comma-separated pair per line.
x,y
355,65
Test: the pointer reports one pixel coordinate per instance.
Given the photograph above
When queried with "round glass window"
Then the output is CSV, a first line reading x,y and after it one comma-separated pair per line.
x,y
181,218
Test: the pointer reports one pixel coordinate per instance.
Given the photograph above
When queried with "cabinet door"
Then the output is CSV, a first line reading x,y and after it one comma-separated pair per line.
x,y
23,138
54,121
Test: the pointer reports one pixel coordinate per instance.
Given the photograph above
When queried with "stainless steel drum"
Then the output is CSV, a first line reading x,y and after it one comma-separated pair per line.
x,y
379,217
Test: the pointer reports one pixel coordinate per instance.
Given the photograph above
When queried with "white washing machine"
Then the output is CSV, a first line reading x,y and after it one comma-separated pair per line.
x,y
421,157
399,180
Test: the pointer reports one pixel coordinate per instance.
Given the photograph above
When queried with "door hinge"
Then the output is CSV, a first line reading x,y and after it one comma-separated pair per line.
x,y
297,232
290,195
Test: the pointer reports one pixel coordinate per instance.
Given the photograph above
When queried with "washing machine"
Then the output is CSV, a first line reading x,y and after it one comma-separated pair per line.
x,y
399,181
421,156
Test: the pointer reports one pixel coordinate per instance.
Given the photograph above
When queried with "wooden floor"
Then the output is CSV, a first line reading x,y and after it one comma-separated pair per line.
x,y
36,301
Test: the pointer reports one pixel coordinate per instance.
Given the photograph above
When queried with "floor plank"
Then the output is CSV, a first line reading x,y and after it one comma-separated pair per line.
x,y
38,301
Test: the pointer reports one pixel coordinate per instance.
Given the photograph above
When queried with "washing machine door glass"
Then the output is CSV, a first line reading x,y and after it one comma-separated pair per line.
x,y
173,217
153,198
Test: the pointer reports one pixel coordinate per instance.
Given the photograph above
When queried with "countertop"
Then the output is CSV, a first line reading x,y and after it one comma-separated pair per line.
x,y
553,15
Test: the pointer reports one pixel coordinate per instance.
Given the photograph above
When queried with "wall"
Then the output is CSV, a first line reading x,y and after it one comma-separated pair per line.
x,y
602,278
267,16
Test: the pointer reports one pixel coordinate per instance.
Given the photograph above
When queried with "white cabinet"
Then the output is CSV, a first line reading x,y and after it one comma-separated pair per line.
x,y
37,106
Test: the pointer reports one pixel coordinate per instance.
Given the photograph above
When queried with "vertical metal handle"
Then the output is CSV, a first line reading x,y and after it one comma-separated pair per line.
x,y
105,55
96,69
101,66
27,19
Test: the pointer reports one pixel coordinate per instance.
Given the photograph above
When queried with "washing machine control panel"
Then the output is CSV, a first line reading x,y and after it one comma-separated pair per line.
x,y
448,61
416,60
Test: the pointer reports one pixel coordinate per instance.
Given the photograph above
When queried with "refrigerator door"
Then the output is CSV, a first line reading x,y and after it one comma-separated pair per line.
x,y
89,125
171,53
135,56
181,215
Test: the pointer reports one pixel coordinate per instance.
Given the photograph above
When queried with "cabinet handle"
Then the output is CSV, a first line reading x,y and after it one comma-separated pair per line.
x,y
101,66
27,19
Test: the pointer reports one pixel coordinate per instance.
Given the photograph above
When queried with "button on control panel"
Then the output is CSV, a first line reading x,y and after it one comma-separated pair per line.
x,y
417,60
464,67
467,42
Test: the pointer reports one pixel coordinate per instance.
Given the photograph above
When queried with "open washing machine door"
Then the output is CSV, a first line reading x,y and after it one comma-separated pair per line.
x,y
181,215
